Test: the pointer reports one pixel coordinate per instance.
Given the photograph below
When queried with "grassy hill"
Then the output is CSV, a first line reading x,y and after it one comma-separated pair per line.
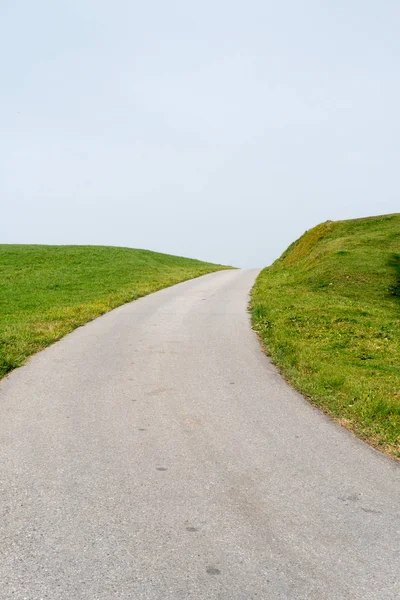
x,y
328,313
47,291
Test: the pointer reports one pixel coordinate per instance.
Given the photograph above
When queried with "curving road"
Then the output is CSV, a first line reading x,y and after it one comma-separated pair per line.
x,y
156,454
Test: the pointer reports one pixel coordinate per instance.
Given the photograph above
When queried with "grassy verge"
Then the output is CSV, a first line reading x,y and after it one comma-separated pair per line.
x,y
328,313
47,291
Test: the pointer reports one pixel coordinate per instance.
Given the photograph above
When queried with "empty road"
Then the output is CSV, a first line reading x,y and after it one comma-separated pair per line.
x,y
155,454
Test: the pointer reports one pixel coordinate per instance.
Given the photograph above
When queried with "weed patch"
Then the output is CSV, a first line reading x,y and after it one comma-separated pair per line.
x,y
328,315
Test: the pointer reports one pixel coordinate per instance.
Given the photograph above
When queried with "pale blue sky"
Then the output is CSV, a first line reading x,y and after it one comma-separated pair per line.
x,y
218,129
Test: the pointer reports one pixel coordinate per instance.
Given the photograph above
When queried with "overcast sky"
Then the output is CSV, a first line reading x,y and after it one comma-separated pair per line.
x,y
218,129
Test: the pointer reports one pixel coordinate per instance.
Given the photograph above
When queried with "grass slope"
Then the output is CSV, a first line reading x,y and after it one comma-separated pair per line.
x,y
328,313
47,291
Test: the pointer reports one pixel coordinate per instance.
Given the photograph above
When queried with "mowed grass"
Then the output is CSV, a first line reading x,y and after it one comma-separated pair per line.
x,y
47,291
328,313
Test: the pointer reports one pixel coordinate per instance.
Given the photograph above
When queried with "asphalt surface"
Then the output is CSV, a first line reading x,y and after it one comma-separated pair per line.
x,y
156,454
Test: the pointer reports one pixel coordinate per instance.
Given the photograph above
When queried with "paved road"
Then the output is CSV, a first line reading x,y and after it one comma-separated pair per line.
x,y
156,454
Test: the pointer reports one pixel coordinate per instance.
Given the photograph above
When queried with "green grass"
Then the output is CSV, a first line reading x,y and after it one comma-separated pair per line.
x,y
47,291
328,314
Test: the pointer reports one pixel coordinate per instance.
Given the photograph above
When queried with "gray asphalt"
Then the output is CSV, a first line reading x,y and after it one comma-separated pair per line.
x,y
157,454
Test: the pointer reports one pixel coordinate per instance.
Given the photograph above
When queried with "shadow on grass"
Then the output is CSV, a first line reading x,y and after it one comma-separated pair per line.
x,y
394,262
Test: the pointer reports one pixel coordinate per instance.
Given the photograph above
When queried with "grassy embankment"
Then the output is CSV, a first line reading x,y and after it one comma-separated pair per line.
x,y
328,313
47,291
